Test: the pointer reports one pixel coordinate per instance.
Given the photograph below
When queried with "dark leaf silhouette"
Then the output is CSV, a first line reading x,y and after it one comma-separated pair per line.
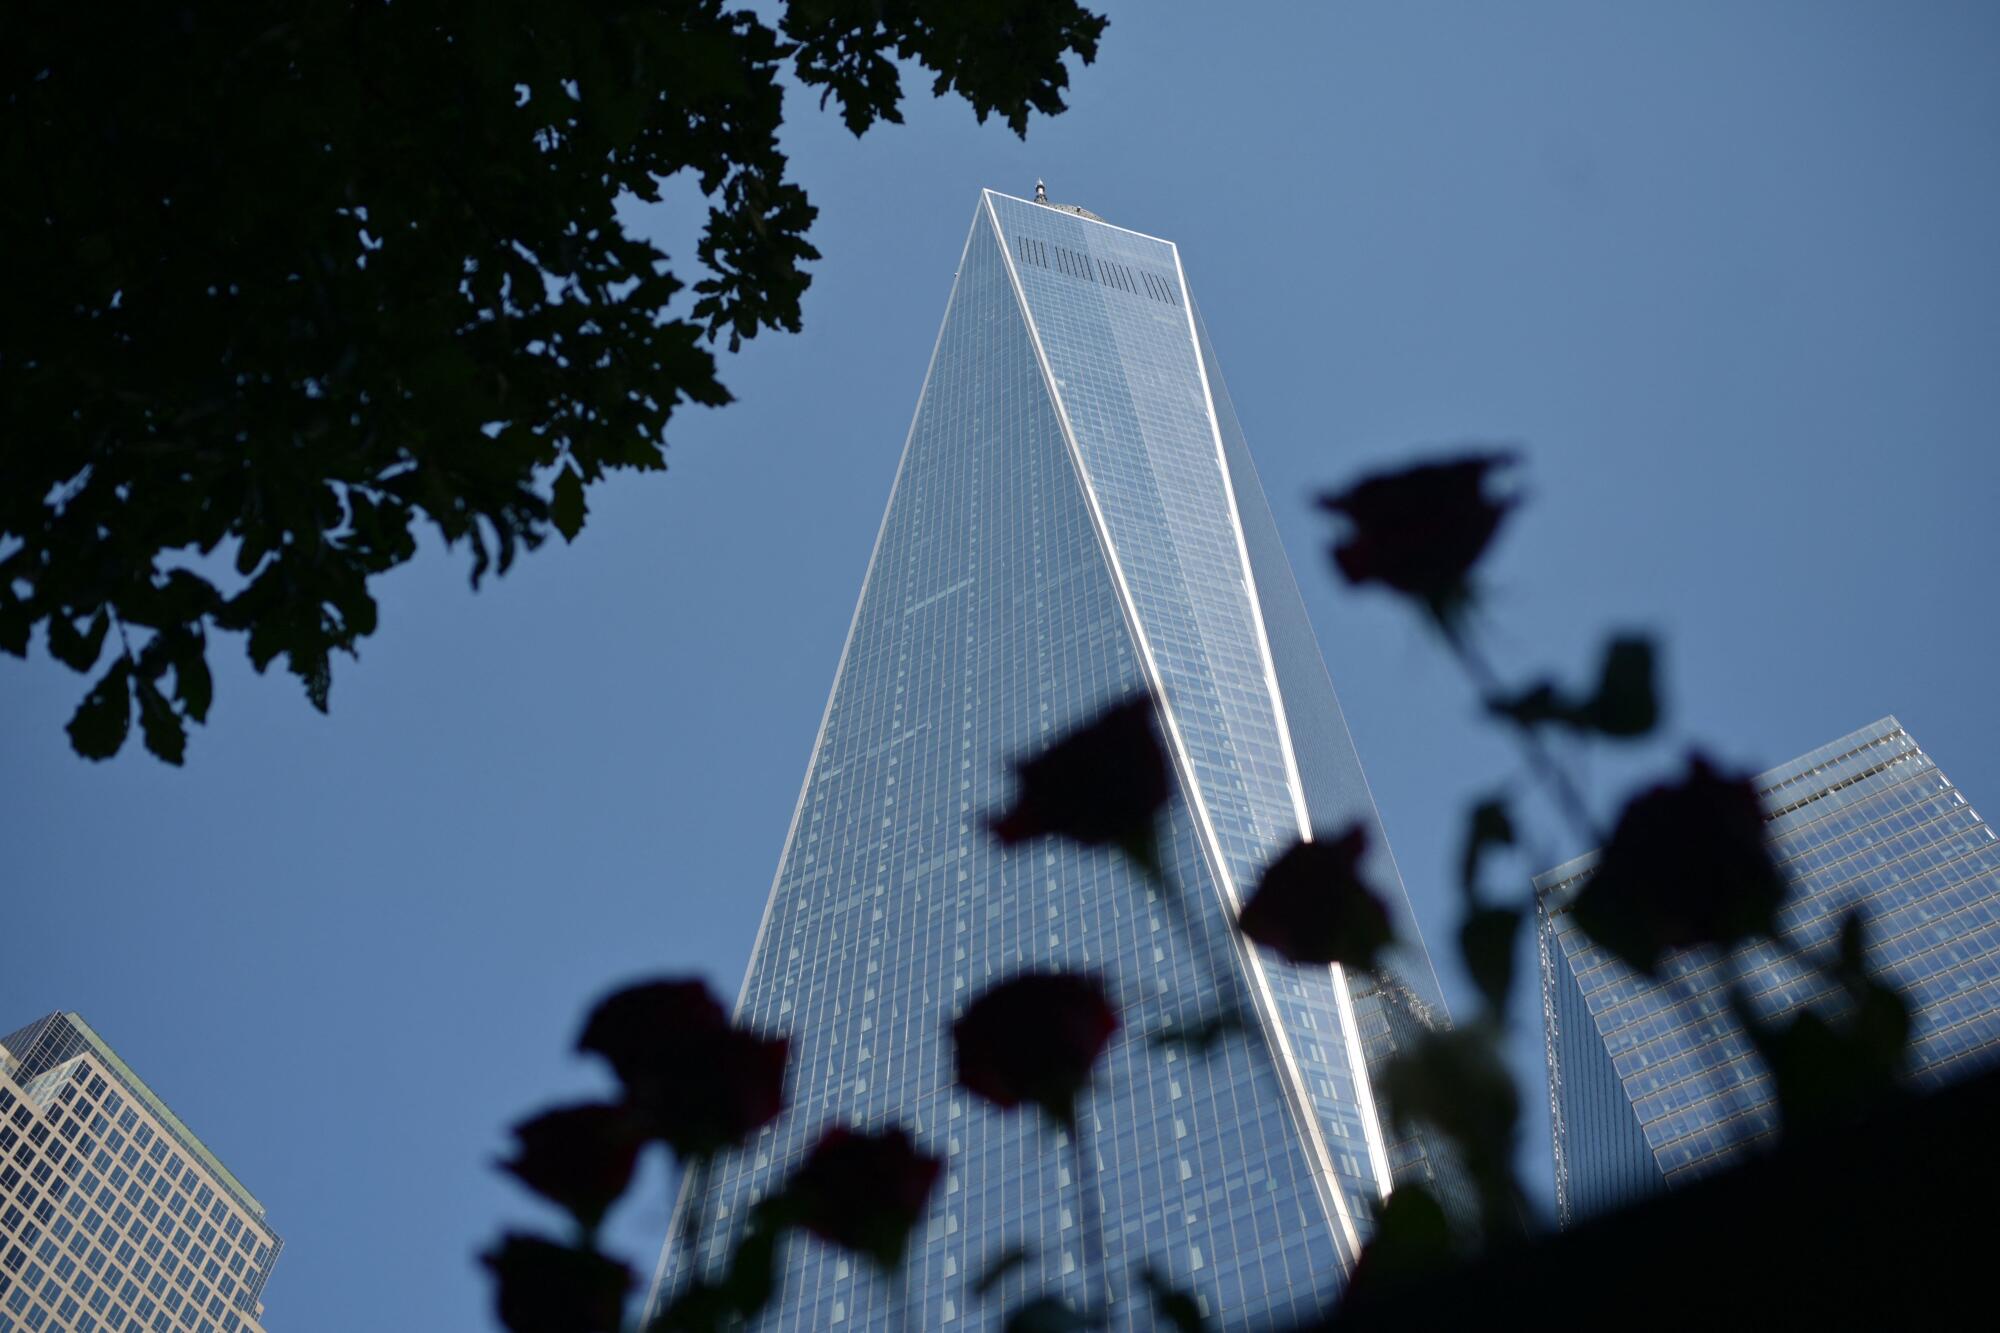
x,y
194,687
1455,1080
1490,826
1204,1034
1102,785
999,1267
1539,703
1312,907
1173,1307
1625,703
1830,1068
1486,939
713,1303
694,1081
1420,530
1033,1039
17,623
1005,57
580,1157
566,503
286,291
1851,947
77,649
1687,865
166,735
97,731
1048,1314
864,1192
699,1306
1412,1240
544,1287
1825,1072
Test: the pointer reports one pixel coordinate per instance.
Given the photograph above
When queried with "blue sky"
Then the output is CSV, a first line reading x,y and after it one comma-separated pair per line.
x,y
1725,272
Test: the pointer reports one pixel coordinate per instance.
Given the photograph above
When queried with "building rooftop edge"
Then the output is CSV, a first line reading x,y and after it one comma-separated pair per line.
x,y
1790,771
154,1103
1072,211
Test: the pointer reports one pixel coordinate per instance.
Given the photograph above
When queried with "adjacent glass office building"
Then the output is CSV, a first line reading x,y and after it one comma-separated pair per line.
x,y
1076,518
114,1217
1652,1084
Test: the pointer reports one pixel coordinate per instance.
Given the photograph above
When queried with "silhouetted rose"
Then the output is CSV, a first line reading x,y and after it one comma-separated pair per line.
x,y
1311,906
629,1027
863,1191
697,1083
550,1288
1687,865
1101,785
578,1156
1034,1039
1420,530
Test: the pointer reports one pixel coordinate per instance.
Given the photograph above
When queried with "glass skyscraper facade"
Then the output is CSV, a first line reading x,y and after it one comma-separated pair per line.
x,y
1651,1084
1075,518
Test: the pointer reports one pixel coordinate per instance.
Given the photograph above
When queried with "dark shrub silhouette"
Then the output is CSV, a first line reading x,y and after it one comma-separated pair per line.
x,y
285,286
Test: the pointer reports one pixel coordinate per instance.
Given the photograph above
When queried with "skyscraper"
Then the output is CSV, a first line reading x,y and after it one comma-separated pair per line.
x,y
113,1215
1075,517
1652,1084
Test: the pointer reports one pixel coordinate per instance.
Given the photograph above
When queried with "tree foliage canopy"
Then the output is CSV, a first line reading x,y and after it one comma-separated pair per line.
x,y
284,283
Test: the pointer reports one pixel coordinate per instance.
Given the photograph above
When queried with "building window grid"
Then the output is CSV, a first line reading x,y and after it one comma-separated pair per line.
x,y
82,1280
1902,844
